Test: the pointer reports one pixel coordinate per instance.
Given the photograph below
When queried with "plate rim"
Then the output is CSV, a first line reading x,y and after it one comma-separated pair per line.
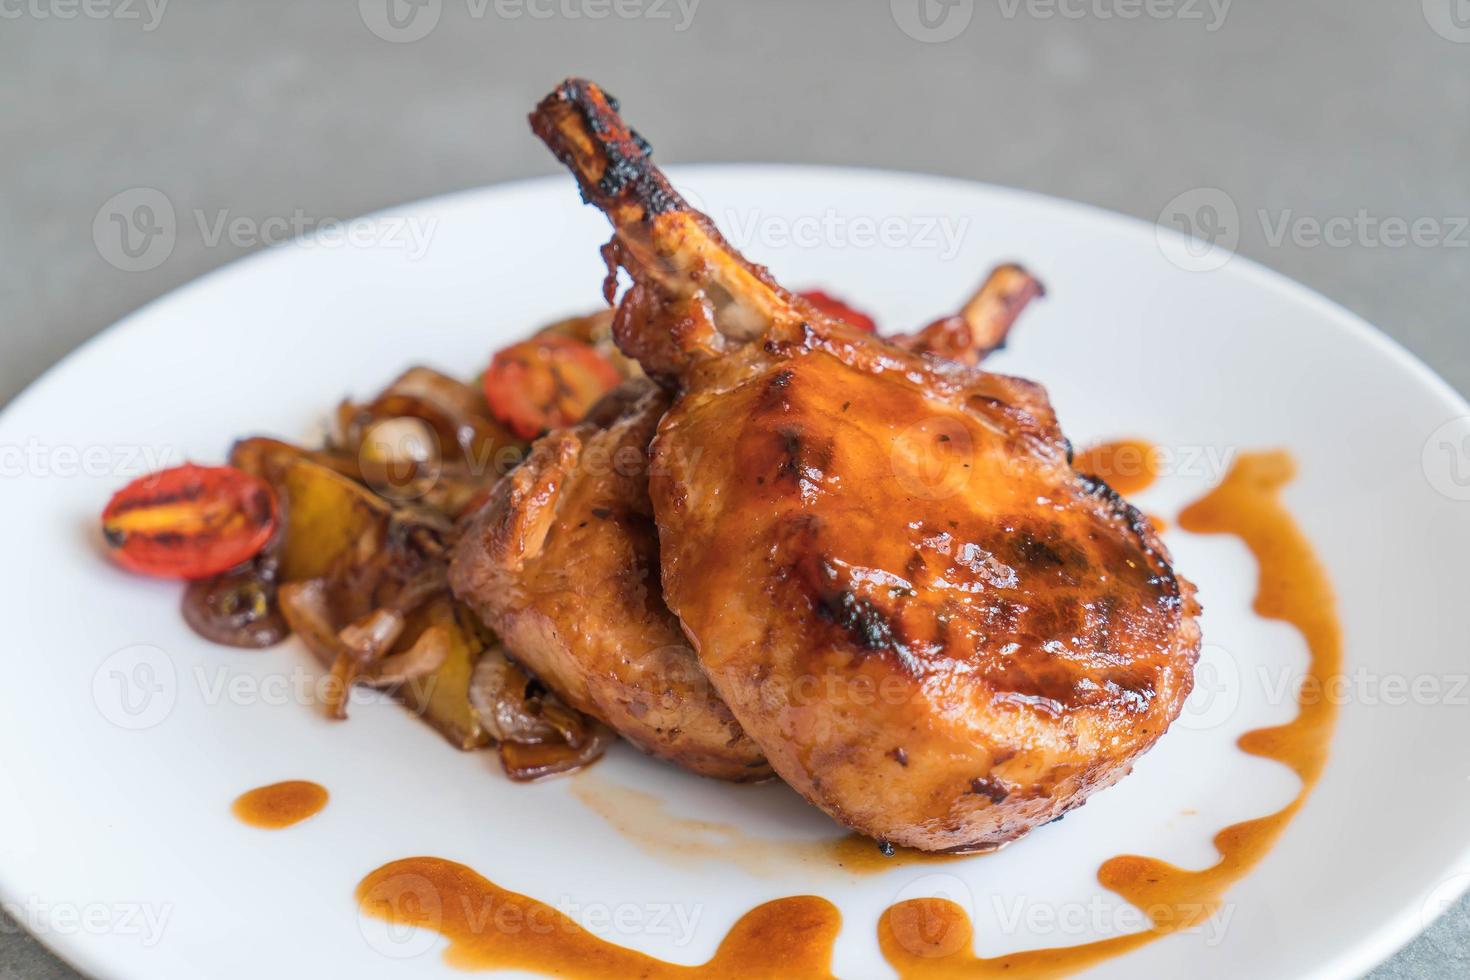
x,y
1392,934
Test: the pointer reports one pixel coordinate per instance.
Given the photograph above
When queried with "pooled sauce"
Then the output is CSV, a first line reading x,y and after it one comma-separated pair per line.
x,y
280,804
645,819
490,928
1129,466
930,939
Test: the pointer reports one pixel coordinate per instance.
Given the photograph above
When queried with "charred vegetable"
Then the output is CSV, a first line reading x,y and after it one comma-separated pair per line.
x,y
347,545
428,439
238,608
442,698
190,522
545,382
539,736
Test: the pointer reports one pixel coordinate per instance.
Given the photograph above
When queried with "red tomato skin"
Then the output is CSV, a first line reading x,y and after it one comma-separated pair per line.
x,y
225,517
545,383
839,310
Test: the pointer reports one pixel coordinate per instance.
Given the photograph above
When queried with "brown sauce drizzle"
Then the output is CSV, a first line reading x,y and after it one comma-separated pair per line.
x,y
280,804
930,939
1293,588
924,939
490,928
1129,466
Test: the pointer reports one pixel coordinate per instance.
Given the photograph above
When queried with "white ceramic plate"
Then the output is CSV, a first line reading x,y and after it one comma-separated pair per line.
x,y
126,738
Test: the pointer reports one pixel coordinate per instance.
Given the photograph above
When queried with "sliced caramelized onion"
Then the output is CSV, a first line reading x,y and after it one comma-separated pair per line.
x,y
571,725
539,736
358,653
451,396
305,606
237,609
403,440
498,696
431,581
526,762
308,610
455,411
371,637
270,458
427,655
339,689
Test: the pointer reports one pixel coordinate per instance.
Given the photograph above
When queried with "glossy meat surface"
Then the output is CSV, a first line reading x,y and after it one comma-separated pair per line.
x,y
935,628
562,563
642,639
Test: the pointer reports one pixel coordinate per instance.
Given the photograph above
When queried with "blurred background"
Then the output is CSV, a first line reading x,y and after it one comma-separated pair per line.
x,y
1326,140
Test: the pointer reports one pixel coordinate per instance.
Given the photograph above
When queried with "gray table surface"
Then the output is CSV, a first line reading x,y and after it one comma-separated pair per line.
x,y
1300,112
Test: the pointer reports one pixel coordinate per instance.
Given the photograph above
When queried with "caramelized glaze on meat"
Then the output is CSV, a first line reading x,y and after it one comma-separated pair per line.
x,y
643,638
935,628
562,562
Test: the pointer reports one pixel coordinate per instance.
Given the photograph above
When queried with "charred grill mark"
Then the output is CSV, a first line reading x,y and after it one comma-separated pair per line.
x,y
1143,533
798,459
1031,551
184,495
774,396
626,172
992,789
790,467
868,626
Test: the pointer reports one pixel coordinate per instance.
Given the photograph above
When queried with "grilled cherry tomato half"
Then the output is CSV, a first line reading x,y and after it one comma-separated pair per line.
x,y
546,382
190,522
838,310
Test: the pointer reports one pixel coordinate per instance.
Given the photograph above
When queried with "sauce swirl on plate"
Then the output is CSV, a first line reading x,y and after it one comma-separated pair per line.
x,y
490,928
932,939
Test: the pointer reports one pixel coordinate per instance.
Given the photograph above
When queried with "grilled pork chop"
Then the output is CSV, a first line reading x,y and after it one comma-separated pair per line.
x,y
563,563
934,627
